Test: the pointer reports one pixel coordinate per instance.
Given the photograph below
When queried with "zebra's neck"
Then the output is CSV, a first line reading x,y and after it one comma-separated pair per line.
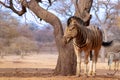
x,y
81,38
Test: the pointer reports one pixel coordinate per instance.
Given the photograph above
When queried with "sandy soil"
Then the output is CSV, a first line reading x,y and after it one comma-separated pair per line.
x,y
31,61
41,67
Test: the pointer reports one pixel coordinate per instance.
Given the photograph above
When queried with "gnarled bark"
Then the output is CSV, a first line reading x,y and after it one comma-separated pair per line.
x,y
82,10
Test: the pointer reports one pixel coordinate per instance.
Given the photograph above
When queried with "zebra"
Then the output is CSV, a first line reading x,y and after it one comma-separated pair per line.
x,y
114,57
88,39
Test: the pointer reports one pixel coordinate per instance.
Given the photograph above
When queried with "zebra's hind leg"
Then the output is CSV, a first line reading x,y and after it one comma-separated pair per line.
x,y
90,68
90,64
94,69
86,69
96,52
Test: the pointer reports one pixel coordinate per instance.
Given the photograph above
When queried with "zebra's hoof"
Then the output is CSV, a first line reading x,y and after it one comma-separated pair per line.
x,y
90,73
77,75
94,74
86,76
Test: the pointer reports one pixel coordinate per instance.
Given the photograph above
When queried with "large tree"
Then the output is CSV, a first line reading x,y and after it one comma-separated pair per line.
x,y
66,64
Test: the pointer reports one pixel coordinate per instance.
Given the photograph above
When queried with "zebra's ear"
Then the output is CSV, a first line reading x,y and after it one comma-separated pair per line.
x,y
80,21
68,21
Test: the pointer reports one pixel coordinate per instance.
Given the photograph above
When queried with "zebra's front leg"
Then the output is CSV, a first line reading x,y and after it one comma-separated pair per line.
x,y
78,67
86,64
78,56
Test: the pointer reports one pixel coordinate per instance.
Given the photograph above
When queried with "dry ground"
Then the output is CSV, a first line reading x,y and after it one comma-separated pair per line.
x,y
41,67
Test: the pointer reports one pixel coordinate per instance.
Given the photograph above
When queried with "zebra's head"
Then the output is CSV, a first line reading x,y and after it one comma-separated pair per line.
x,y
72,28
75,20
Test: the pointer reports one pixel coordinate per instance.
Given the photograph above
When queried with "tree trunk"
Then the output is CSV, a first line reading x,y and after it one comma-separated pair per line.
x,y
66,64
82,10
66,60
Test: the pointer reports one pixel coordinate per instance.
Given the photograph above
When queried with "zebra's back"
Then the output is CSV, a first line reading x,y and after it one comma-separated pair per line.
x,y
95,36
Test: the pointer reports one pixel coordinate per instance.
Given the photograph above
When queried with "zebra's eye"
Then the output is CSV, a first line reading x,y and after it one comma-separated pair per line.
x,y
71,28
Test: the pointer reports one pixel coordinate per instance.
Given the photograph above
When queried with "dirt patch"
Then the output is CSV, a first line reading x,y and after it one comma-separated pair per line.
x,y
25,72
47,74
41,67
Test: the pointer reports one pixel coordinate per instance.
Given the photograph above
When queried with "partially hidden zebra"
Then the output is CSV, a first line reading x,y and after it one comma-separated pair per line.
x,y
87,39
114,57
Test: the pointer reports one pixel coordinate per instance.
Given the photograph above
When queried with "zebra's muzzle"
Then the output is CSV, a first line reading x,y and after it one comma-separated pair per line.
x,y
67,39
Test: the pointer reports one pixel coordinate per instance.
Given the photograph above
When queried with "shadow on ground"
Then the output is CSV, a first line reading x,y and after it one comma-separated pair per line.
x,y
48,73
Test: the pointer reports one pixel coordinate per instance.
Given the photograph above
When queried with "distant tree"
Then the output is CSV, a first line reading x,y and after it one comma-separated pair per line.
x,y
8,30
116,13
44,35
23,45
10,36
107,9
7,33
25,31
2,43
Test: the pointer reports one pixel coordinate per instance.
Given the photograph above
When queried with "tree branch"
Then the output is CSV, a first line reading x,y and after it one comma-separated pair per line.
x,y
11,6
50,2
96,9
4,4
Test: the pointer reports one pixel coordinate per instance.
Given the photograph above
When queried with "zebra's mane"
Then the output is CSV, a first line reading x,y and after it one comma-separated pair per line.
x,y
76,18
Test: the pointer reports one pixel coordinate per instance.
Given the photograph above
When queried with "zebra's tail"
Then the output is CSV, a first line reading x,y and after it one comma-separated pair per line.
x,y
105,44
